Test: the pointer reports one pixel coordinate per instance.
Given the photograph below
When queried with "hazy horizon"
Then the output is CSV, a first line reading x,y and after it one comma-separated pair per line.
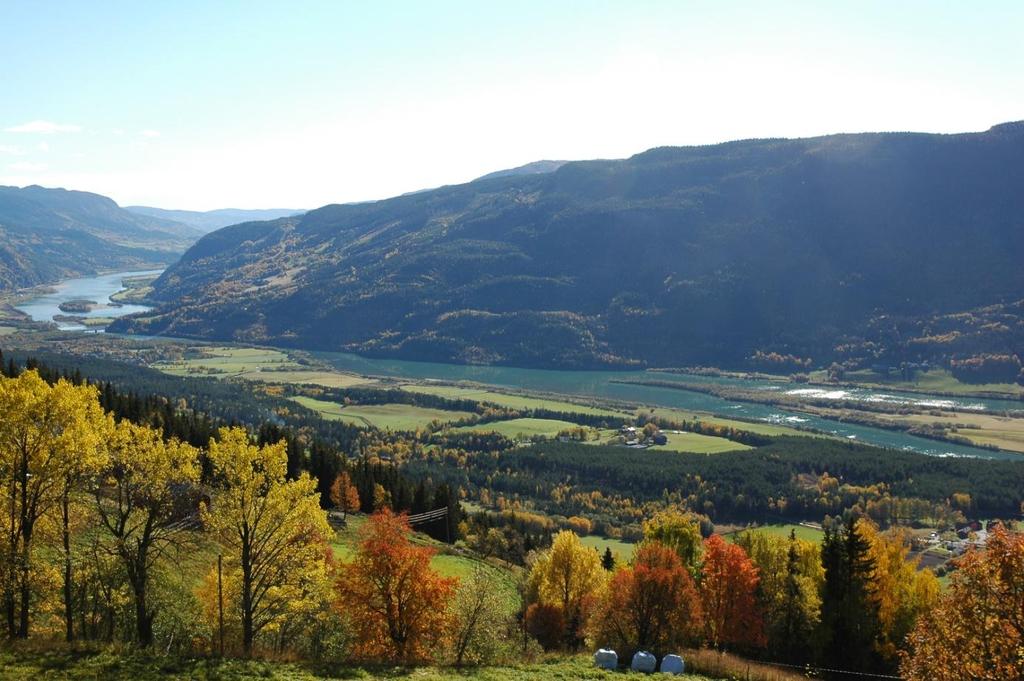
x,y
194,107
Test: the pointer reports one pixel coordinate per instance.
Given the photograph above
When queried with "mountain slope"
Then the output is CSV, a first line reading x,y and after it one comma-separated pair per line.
x,y
535,168
674,256
49,234
210,220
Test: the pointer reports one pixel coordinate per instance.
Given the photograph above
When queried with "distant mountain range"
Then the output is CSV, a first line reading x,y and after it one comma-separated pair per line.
x,y
51,234
849,247
208,221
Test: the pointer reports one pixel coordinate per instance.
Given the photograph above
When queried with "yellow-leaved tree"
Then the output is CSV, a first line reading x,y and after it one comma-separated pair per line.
x,y
791,578
900,591
272,529
679,531
83,446
146,498
568,576
44,437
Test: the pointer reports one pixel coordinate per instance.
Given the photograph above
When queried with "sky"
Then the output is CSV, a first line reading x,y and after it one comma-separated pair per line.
x,y
214,104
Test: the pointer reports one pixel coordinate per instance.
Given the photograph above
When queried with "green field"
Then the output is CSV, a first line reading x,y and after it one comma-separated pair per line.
x,y
622,550
257,364
692,443
811,534
383,416
698,444
759,427
96,322
516,428
509,400
16,665
934,381
6,330
228,361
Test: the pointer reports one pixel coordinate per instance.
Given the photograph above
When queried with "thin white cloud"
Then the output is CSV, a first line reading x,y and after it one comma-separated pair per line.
x,y
43,146
13,151
149,133
28,167
44,127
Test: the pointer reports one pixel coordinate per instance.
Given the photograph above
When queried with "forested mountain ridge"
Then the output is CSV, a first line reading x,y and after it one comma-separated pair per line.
x,y
818,248
49,234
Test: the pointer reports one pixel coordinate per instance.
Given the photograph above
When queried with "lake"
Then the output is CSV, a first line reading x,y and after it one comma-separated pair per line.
x,y
45,307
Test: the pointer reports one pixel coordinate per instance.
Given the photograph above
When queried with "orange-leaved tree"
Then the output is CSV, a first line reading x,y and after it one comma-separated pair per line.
x,y
397,605
652,604
344,495
977,629
728,588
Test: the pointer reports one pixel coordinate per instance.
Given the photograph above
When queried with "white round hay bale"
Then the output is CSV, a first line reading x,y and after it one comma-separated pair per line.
x,y
672,664
643,661
606,659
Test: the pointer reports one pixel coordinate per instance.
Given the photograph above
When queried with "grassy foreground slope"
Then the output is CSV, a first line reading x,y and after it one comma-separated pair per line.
x,y
70,666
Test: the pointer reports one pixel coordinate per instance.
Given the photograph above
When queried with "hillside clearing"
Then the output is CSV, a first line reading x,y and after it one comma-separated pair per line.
x,y
622,550
811,534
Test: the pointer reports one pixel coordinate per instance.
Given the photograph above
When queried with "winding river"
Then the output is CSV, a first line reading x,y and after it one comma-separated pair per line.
x,y
598,384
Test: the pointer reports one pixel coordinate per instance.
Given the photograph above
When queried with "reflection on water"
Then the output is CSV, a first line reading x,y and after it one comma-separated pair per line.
x,y
45,307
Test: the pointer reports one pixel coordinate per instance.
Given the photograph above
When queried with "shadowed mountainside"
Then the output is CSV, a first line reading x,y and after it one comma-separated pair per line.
x,y
695,255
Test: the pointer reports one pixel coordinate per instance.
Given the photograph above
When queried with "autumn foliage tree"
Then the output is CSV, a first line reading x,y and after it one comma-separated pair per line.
x,y
46,445
83,444
344,495
678,531
568,576
142,503
396,603
788,593
546,624
976,631
728,587
480,618
272,528
899,590
652,604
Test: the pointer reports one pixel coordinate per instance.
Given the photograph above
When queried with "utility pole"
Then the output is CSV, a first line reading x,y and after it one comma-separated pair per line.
x,y
220,600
